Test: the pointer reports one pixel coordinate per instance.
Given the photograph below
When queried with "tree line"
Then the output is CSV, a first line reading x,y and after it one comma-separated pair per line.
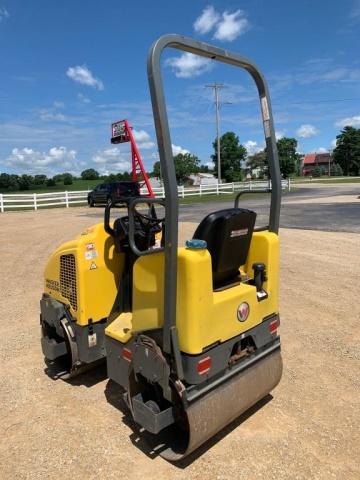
x,y
11,182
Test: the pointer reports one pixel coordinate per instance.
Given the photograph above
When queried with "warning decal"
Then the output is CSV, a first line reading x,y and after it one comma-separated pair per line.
x,y
91,254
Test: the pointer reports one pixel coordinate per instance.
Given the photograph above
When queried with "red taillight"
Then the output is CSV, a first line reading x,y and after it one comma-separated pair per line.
x,y
127,354
273,325
204,365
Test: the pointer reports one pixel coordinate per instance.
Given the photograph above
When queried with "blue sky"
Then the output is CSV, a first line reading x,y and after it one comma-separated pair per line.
x,y
70,68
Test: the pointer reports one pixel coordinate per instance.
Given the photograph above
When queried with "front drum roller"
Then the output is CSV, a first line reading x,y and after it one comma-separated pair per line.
x,y
216,409
67,365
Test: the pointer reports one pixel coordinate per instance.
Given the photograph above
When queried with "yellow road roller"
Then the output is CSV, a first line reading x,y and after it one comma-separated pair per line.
x,y
189,332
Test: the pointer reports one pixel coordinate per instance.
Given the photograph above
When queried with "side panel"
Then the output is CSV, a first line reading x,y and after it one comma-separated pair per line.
x,y
91,291
205,317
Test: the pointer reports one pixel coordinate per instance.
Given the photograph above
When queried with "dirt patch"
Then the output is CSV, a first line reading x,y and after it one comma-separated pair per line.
x,y
308,430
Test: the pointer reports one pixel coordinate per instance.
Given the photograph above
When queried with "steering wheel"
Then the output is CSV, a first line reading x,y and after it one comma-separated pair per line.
x,y
149,222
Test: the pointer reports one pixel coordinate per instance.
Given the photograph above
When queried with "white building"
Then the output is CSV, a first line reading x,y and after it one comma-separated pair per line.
x,y
155,182
203,179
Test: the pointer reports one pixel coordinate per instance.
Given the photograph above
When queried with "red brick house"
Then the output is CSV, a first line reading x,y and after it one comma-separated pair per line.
x,y
312,160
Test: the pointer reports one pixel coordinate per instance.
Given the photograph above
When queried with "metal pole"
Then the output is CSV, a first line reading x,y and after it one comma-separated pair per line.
x,y
217,87
218,131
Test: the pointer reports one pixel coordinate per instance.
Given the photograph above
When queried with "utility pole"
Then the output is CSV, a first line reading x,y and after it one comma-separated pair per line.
x,y
217,87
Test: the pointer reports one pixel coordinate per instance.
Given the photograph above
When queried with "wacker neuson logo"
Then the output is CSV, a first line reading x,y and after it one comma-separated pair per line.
x,y
243,311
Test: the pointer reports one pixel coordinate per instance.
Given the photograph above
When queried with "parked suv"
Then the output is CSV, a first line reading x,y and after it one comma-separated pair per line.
x,y
113,192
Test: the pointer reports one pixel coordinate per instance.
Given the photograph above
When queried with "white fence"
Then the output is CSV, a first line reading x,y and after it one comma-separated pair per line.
x,y
35,201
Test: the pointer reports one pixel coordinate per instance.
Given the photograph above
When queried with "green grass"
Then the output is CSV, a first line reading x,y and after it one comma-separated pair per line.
x,y
337,180
325,179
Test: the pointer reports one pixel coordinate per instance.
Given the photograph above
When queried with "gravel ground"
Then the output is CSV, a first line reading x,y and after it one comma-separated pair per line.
x,y
308,429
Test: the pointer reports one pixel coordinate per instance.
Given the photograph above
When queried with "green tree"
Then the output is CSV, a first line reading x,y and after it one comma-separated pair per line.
x,y
58,178
4,181
336,170
185,165
232,153
258,160
156,170
347,151
68,178
289,159
90,174
40,179
50,182
13,183
316,172
25,182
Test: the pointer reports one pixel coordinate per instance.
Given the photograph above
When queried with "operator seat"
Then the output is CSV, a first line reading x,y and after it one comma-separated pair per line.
x,y
228,236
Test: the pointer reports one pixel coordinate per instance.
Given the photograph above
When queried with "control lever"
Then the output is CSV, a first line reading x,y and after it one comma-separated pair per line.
x,y
259,279
259,275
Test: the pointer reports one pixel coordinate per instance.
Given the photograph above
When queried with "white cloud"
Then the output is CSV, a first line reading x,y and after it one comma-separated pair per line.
x,y
348,121
143,139
3,14
231,26
83,98
321,150
189,65
307,131
333,143
279,134
58,104
335,74
207,20
210,165
111,160
47,115
32,161
176,149
253,147
81,74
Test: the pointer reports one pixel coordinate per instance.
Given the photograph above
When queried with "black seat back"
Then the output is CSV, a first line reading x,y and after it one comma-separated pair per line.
x,y
228,236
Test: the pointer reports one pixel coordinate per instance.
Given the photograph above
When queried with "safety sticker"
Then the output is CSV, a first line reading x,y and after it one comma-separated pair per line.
x,y
93,266
91,254
90,246
265,109
92,340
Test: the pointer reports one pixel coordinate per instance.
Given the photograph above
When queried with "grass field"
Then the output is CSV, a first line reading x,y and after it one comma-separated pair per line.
x,y
326,180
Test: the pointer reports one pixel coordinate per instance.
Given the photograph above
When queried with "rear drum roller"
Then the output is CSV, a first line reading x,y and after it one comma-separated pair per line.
x,y
210,413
